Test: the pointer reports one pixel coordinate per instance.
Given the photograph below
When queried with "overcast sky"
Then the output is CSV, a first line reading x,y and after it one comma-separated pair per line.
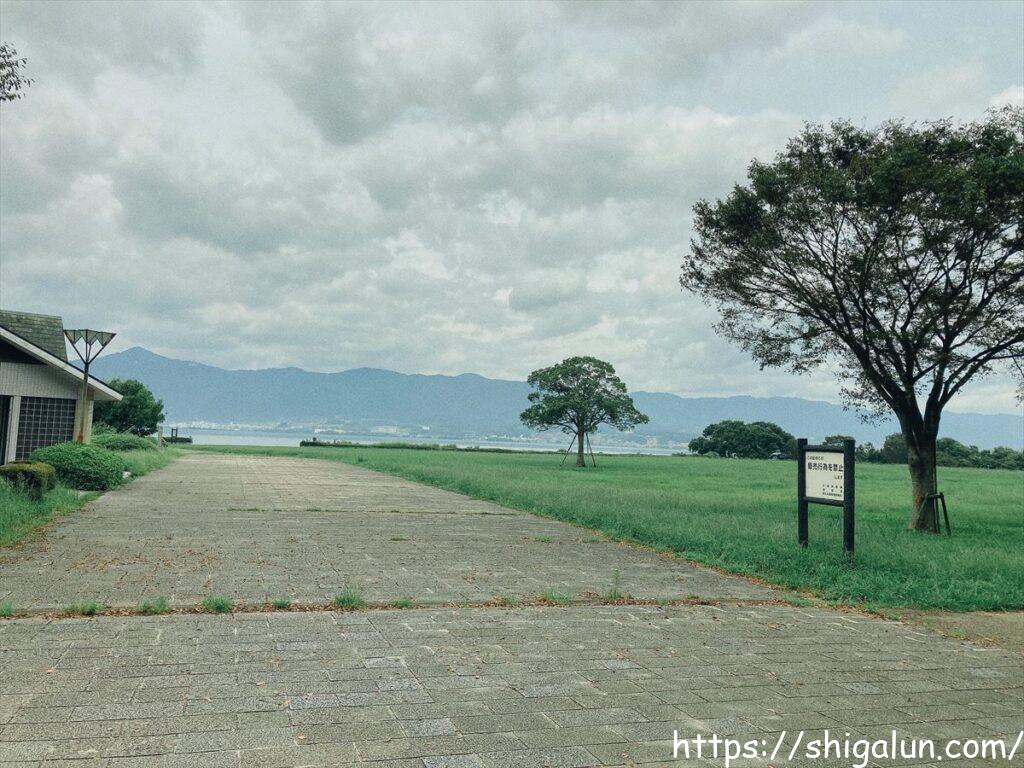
x,y
439,188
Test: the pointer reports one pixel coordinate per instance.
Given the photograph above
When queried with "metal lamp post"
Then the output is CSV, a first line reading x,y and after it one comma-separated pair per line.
x,y
92,343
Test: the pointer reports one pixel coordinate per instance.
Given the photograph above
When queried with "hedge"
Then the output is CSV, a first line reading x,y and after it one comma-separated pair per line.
x,y
85,467
34,478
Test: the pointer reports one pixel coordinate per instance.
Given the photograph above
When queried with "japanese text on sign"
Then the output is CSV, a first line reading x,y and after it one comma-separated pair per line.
x,y
825,472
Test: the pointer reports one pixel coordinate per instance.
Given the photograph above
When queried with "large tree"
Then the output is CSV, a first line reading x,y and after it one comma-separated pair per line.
x,y
756,440
578,395
892,255
138,412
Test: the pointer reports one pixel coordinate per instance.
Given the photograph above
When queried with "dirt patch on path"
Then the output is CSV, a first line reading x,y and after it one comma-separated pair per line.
x,y
1004,629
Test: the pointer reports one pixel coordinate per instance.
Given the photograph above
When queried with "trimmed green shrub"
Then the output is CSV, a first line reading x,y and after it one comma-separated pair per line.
x,y
33,478
85,467
123,441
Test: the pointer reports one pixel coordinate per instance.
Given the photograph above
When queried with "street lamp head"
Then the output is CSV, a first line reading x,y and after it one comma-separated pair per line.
x,y
88,338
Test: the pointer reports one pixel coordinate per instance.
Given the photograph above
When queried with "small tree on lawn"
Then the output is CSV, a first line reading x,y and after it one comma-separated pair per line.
x,y
578,395
139,412
893,255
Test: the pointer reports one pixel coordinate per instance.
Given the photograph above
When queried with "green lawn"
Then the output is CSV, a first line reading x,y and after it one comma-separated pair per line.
x,y
740,515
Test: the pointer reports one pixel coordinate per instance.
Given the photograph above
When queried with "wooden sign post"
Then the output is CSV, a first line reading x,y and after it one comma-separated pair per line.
x,y
824,475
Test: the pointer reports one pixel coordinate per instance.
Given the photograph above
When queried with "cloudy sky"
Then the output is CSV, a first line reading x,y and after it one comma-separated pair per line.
x,y
438,188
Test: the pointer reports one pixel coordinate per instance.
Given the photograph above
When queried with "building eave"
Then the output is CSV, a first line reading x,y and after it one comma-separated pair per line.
x,y
101,390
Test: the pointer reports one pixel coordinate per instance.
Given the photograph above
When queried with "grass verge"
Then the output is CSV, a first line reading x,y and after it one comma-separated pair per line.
x,y
141,462
19,515
740,516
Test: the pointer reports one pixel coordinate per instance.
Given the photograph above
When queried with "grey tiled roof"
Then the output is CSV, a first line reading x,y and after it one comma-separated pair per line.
x,y
45,331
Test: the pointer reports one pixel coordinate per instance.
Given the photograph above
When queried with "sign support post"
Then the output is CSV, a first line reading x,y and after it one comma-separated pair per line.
x,y
848,488
801,492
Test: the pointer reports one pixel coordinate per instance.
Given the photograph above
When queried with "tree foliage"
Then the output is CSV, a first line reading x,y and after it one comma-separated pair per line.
x,y
756,440
13,81
836,440
578,395
139,412
948,453
893,255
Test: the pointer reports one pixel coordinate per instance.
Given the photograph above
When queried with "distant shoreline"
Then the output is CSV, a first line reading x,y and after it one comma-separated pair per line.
x,y
271,438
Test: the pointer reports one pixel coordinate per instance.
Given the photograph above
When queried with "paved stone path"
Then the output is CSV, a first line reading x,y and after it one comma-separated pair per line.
x,y
431,687
580,686
253,528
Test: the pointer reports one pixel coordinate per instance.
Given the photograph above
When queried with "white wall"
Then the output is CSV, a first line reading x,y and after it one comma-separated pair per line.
x,y
36,381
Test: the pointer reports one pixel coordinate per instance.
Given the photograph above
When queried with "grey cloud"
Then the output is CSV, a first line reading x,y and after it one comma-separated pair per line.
x,y
435,188
356,68
79,40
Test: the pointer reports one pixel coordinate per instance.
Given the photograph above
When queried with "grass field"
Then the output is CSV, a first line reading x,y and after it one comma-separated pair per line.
x,y
740,515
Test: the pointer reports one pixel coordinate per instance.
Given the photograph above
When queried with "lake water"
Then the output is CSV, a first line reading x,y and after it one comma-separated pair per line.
x,y
291,439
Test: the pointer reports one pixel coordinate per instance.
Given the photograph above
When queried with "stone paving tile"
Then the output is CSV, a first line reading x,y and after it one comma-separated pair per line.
x,y
269,700
254,528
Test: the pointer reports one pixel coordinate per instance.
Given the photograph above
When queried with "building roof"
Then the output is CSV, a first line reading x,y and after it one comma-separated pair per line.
x,y
42,337
44,331
101,390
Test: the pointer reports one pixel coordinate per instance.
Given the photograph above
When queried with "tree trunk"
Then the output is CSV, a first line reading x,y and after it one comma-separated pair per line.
x,y
581,460
923,480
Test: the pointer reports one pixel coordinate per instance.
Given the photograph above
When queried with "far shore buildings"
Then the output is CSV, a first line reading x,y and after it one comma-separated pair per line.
x,y
39,389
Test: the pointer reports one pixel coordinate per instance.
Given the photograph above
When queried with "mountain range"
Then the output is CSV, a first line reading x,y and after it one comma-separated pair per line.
x,y
469,405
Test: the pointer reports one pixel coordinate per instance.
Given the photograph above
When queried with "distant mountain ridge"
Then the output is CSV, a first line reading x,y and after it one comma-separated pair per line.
x,y
470,405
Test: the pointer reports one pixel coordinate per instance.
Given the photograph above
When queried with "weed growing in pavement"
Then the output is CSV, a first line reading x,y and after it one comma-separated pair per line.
x,y
217,604
349,599
83,609
614,591
554,597
154,607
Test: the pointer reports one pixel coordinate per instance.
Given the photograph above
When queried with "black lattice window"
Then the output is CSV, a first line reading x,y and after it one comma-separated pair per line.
x,y
44,421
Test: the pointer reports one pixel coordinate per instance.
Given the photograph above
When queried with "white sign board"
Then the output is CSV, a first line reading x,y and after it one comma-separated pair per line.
x,y
824,472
